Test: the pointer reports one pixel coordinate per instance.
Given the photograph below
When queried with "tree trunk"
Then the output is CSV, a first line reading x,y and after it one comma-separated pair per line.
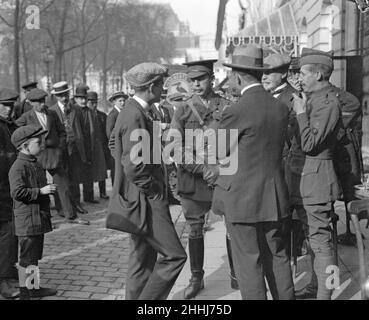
x,y
25,60
16,46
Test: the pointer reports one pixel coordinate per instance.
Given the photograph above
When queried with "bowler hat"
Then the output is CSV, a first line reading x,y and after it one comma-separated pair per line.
x,y
36,95
8,95
200,68
60,87
30,85
23,134
312,56
278,61
92,95
118,95
146,73
81,91
248,57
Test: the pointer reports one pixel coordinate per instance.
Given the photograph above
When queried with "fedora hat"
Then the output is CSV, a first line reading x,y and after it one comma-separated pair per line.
x,y
248,57
278,61
60,87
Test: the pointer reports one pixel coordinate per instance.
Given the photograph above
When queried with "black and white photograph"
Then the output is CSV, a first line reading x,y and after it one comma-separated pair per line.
x,y
183,155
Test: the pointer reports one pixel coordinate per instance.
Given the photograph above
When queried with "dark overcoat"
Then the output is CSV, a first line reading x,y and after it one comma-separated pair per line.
x,y
257,192
99,147
55,140
72,120
31,209
8,155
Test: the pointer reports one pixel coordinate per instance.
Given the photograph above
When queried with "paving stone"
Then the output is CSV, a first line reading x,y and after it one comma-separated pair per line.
x,y
95,289
77,294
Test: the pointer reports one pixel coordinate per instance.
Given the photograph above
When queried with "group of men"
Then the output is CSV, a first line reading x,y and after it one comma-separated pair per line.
x,y
74,152
286,146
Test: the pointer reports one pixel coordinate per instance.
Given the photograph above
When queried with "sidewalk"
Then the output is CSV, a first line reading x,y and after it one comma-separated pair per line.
x,y
217,282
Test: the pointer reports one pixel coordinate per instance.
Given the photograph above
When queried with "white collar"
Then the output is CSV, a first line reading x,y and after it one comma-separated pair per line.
x,y
142,103
278,89
249,87
116,108
61,106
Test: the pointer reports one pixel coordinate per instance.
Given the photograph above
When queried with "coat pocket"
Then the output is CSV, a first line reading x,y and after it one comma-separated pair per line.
x,y
311,184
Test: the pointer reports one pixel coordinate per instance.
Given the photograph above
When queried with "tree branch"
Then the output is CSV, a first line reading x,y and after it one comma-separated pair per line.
x,y
6,22
82,44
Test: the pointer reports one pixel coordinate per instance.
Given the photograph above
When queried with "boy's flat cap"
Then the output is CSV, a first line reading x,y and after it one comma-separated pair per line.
x,y
23,134
145,74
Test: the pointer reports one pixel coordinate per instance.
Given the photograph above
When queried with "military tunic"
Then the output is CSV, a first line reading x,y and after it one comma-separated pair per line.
x,y
310,171
191,184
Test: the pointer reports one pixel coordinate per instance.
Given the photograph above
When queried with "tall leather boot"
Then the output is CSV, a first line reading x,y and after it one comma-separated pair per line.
x,y
196,248
234,282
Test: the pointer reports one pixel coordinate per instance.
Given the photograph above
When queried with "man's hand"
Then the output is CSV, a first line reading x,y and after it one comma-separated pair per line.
x,y
49,189
211,174
299,104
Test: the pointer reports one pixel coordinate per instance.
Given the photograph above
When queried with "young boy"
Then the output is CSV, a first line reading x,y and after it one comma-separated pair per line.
x,y
30,193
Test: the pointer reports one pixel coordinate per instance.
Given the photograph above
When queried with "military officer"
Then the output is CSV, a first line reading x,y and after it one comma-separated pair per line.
x,y
311,175
196,194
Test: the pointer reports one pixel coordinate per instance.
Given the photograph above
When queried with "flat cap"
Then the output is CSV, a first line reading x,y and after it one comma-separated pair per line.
x,y
145,74
92,95
23,134
312,56
278,61
200,68
118,95
36,95
30,85
8,95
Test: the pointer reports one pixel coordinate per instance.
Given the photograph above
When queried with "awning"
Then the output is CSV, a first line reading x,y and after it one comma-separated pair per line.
x,y
277,31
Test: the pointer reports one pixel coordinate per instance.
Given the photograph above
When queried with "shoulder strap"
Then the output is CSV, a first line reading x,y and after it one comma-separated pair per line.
x,y
195,112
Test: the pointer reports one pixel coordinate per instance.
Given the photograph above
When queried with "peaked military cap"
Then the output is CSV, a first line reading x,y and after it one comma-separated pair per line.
x,y
36,95
23,134
200,68
8,95
145,74
312,56
30,85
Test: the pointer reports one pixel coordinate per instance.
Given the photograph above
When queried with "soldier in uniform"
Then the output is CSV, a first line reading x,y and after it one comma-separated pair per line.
x,y
196,195
24,106
311,174
8,240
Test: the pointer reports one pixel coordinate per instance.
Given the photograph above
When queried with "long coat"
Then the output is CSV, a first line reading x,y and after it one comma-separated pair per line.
x,y
72,121
100,147
52,156
191,184
21,108
8,154
257,192
31,210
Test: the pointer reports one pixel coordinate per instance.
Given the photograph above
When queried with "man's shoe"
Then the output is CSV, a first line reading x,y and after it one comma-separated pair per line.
x,y
93,201
194,288
80,209
306,293
78,221
24,294
8,290
104,196
42,292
